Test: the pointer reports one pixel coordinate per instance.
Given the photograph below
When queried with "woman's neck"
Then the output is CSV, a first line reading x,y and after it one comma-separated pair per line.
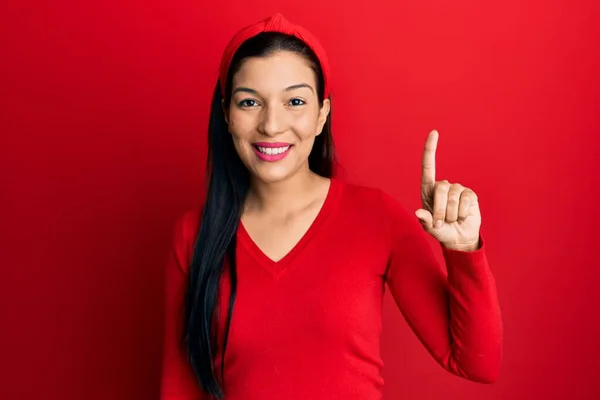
x,y
286,196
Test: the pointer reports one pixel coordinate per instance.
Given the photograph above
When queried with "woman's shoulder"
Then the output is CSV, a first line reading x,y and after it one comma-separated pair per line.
x,y
363,194
188,222
185,231
371,200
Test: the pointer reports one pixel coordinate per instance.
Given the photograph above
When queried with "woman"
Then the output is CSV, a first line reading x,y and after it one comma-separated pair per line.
x,y
275,285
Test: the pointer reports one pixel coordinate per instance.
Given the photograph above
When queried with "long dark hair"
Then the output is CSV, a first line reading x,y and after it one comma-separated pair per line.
x,y
228,183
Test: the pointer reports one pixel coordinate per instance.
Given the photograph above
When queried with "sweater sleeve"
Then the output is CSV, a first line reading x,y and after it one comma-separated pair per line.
x,y
454,310
177,380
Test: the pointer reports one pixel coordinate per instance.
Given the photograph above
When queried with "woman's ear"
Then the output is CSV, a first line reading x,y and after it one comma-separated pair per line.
x,y
225,114
323,114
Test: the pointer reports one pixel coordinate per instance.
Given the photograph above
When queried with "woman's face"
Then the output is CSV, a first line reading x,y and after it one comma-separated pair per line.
x,y
274,115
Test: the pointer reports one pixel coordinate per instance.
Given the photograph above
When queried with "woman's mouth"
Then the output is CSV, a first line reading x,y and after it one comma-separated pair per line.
x,y
271,152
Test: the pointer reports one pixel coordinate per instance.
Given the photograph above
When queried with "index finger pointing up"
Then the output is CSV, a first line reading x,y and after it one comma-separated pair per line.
x,y
428,163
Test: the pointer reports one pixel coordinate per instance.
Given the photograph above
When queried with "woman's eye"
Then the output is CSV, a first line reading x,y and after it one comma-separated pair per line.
x,y
247,103
297,102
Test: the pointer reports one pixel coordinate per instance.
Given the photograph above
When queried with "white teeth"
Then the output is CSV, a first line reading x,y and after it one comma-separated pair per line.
x,y
273,150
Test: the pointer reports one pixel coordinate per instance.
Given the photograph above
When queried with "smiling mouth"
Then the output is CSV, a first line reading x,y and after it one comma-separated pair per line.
x,y
272,150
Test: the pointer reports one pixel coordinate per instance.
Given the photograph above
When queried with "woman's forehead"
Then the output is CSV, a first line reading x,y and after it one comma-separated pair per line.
x,y
279,70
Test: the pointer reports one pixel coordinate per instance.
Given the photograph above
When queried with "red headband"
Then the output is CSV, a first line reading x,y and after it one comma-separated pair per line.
x,y
275,23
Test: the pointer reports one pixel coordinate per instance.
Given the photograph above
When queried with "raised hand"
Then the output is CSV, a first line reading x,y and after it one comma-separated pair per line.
x,y
450,211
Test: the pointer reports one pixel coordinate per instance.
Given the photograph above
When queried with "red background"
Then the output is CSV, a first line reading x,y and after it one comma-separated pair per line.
x,y
104,109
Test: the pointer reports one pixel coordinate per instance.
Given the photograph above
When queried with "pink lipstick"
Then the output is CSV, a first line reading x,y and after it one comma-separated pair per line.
x,y
271,152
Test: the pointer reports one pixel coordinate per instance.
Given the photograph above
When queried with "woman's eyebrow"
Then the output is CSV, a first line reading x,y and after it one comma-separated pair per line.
x,y
287,89
300,85
244,89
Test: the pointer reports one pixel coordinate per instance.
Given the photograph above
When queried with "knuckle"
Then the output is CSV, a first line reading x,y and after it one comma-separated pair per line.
x,y
471,198
443,186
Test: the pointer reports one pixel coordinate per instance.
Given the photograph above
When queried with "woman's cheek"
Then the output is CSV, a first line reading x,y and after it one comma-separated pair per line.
x,y
306,125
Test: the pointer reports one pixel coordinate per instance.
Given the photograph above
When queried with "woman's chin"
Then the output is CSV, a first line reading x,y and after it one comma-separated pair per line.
x,y
272,173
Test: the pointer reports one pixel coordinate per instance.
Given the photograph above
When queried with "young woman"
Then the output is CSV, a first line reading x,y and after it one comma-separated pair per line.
x,y
275,285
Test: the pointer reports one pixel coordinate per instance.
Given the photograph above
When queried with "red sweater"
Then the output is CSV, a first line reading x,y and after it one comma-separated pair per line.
x,y
308,326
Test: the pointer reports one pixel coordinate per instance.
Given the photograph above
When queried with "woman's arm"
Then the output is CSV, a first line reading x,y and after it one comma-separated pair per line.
x,y
177,380
455,314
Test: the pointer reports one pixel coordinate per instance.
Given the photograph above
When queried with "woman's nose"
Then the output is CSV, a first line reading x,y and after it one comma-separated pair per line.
x,y
273,120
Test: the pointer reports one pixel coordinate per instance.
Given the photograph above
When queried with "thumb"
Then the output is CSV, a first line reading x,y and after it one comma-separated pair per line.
x,y
425,217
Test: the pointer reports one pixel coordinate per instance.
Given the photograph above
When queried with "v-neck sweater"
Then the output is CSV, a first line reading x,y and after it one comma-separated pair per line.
x,y
308,326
